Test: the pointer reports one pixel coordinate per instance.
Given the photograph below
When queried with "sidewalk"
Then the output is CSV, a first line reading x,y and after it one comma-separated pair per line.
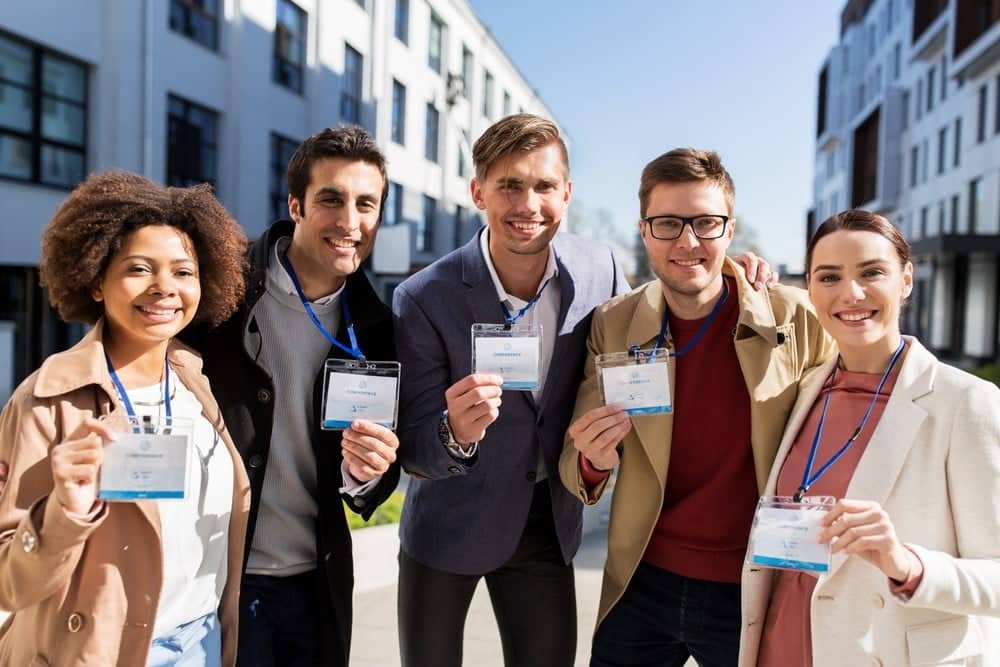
x,y
375,642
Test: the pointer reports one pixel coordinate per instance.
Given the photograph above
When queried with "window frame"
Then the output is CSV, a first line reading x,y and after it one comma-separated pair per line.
x,y
398,104
279,169
351,104
278,60
188,7
188,106
432,149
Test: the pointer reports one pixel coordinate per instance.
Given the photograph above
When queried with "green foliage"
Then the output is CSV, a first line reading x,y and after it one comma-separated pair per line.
x,y
387,512
989,372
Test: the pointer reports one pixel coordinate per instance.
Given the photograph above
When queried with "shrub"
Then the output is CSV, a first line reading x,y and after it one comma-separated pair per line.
x,y
989,372
386,513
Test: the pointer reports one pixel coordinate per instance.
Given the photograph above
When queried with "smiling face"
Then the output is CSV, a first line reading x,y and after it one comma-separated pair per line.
x,y
151,289
688,266
335,227
525,196
858,284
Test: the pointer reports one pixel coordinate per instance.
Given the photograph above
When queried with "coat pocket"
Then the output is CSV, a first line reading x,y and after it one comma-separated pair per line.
x,y
950,642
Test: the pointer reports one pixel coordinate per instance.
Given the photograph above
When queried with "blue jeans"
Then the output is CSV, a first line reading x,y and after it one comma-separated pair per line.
x,y
194,644
663,619
280,621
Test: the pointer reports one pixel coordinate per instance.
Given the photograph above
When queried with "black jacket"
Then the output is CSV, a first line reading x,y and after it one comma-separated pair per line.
x,y
246,396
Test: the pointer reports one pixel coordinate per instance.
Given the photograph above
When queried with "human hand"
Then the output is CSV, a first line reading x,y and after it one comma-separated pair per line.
x,y
473,404
368,449
76,464
862,528
757,270
597,432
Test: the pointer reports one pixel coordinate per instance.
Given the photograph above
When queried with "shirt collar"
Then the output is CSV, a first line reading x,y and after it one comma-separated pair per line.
x,y
284,281
551,269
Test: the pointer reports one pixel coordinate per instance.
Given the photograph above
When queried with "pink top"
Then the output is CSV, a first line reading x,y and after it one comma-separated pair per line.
x,y
786,639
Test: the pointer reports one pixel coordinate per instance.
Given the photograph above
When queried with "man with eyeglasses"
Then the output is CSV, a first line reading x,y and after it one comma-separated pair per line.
x,y
735,355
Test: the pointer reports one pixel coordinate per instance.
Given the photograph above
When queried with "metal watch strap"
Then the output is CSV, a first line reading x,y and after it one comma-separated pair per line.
x,y
453,447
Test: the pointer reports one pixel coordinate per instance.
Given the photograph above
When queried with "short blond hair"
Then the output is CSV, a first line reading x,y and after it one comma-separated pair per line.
x,y
686,165
519,133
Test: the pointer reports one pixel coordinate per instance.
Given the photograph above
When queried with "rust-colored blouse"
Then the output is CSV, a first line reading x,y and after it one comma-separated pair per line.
x,y
786,639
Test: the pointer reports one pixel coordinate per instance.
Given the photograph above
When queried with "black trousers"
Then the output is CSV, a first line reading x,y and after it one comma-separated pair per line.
x,y
533,597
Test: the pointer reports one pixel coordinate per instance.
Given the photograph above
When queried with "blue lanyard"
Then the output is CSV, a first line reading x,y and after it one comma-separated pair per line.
x,y
512,319
124,394
353,350
701,330
808,478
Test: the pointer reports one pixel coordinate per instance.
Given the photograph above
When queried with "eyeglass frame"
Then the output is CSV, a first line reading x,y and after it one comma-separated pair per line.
x,y
687,221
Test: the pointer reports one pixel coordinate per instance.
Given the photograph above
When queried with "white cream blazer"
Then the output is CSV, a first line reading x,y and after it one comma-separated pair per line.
x,y
933,463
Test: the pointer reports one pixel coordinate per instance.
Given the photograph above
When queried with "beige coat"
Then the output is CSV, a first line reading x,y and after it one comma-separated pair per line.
x,y
772,370
933,463
87,593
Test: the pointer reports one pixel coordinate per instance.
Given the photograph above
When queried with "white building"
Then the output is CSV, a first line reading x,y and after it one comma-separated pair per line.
x,y
909,125
186,91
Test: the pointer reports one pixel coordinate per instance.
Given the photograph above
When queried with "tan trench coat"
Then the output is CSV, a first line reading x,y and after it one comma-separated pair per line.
x,y
87,593
777,339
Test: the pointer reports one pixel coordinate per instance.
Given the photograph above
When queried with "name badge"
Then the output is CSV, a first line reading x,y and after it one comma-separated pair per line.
x,y
354,389
147,461
639,381
511,351
784,534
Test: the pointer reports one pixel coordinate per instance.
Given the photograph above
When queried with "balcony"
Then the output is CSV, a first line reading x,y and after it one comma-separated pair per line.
x,y
957,244
932,41
976,36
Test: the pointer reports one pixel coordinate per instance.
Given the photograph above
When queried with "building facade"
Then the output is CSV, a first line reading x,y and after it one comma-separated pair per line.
x,y
908,125
222,91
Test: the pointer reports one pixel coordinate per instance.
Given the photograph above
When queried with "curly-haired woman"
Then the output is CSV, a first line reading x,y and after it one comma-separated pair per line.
x,y
95,582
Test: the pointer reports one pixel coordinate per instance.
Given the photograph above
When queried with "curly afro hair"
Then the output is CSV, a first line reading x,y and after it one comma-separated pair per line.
x,y
99,215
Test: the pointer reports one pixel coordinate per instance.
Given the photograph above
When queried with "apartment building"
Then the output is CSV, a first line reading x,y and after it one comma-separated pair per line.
x,y
908,125
222,91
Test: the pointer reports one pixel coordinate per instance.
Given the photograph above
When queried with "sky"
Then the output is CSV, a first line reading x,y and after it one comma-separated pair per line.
x,y
632,79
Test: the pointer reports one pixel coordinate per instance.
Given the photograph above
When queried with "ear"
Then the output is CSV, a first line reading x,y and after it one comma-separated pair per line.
x,y
476,190
97,294
294,209
569,192
907,280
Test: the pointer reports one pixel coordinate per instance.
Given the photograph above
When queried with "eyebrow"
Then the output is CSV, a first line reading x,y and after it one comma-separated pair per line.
x,y
860,265
337,192
152,261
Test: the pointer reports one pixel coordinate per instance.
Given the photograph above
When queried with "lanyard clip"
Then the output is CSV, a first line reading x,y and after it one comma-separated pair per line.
x,y
800,494
634,349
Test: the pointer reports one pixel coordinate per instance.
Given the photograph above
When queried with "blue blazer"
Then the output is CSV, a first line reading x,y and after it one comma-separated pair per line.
x,y
467,517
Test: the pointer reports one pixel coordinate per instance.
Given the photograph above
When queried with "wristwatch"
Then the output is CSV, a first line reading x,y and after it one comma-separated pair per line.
x,y
448,440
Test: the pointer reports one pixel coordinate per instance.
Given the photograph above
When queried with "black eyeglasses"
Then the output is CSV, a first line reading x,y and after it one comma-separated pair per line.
x,y
670,227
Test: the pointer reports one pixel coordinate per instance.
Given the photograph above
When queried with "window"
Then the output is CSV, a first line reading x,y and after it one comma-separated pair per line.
x,y
461,215
192,143
350,94
930,89
926,156
977,204
401,26
941,228
398,112
914,162
944,78
942,149
467,65
436,43
981,122
958,142
197,19
487,94
425,228
392,210
897,60
906,109
361,4
282,149
506,103
289,46
920,97
996,108
43,115
954,214
431,133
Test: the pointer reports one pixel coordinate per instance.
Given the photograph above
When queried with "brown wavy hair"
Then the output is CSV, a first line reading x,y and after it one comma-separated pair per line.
x,y
686,165
99,215
520,133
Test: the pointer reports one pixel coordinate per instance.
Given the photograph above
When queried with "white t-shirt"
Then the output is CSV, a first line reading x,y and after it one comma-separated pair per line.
x,y
194,531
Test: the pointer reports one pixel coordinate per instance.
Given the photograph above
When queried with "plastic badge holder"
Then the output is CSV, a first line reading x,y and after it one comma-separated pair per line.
x,y
354,389
784,534
512,351
638,380
147,461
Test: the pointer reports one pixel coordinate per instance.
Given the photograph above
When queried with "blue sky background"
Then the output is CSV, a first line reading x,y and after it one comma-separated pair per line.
x,y
632,79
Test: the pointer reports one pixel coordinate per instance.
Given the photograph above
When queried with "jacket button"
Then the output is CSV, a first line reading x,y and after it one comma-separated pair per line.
x,y
878,601
781,339
263,395
454,470
28,542
531,476
256,461
75,622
